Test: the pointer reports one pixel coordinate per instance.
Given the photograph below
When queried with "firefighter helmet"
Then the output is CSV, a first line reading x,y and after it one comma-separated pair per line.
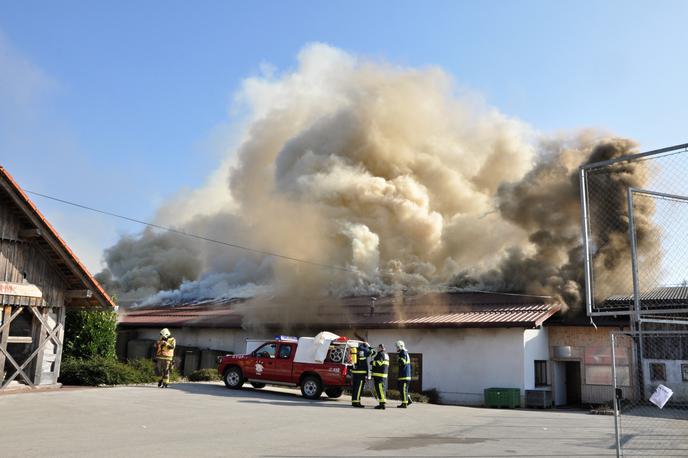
x,y
165,333
400,345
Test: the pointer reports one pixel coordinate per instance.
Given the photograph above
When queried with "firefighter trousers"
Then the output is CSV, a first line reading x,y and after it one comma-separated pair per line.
x,y
164,368
379,383
404,386
358,382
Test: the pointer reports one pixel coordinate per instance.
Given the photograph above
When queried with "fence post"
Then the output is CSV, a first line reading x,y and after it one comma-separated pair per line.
x,y
619,452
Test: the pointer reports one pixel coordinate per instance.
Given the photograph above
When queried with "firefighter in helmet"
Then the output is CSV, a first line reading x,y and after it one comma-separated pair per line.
x,y
404,379
359,372
379,371
164,352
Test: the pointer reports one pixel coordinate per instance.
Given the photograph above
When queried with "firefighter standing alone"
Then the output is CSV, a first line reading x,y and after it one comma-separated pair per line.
x,y
164,352
359,372
379,372
404,379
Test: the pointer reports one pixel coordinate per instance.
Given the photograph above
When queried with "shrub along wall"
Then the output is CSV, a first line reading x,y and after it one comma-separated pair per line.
x,y
90,334
106,371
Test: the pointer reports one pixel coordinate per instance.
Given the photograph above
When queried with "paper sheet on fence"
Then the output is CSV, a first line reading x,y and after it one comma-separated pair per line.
x,y
661,396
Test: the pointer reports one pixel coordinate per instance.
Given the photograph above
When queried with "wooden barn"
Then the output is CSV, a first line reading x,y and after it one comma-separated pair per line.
x,y
40,278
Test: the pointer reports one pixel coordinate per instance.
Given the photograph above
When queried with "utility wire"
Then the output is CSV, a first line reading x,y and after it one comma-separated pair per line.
x,y
195,236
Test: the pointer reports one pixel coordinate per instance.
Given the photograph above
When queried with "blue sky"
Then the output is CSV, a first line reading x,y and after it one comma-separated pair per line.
x,y
119,105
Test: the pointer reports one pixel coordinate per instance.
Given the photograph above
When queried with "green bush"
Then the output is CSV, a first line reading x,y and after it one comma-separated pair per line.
x,y
90,334
106,371
145,368
98,371
204,375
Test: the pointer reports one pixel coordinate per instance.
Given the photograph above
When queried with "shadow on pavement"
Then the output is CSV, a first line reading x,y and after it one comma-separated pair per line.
x,y
254,395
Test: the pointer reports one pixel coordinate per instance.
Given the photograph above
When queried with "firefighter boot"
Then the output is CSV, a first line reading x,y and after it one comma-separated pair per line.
x,y
401,406
160,383
380,407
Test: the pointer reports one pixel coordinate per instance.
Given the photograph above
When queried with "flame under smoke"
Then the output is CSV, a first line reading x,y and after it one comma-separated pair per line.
x,y
388,171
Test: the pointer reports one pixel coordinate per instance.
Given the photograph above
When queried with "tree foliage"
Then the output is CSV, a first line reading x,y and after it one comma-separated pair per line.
x,y
90,334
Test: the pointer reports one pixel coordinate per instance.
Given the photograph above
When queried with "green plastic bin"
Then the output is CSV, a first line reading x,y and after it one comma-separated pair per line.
x,y
503,397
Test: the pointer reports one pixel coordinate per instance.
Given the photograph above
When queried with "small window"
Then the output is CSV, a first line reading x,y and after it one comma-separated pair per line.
x,y
657,372
684,372
541,373
266,351
285,351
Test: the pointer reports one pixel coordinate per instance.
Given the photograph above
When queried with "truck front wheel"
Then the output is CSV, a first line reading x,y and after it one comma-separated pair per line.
x,y
234,378
334,392
311,387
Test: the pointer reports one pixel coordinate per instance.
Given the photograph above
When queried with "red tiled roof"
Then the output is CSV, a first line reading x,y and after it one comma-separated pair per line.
x,y
455,310
75,272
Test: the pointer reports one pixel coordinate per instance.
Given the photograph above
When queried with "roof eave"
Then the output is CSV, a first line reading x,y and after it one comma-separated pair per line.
x,y
21,199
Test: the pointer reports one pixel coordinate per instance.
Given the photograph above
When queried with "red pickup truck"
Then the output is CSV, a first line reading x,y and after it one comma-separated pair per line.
x,y
273,363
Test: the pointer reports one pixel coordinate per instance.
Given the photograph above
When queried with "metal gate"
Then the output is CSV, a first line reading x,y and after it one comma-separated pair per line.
x,y
651,386
635,234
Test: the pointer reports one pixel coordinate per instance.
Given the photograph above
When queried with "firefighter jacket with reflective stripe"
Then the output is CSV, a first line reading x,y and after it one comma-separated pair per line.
x,y
360,360
380,364
164,349
404,366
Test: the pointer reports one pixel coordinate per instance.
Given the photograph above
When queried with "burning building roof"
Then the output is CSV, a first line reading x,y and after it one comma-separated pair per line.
x,y
445,310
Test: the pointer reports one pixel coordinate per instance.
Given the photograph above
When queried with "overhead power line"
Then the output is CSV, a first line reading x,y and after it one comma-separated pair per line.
x,y
191,235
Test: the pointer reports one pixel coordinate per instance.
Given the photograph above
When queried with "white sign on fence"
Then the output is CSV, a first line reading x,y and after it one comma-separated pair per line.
x,y
661,396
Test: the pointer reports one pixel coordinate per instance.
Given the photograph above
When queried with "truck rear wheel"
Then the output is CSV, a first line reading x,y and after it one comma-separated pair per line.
x,y
311,387
334,392
233,378
258,385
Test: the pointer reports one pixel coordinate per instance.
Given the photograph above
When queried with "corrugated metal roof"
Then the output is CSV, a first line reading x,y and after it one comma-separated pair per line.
x,y
656,298
428,311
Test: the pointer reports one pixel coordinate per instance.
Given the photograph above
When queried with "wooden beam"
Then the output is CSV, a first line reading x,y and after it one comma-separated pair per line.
x,y
9,317
20,339
42,329
30,233
4,334
61,314
54,335
19,370
78,294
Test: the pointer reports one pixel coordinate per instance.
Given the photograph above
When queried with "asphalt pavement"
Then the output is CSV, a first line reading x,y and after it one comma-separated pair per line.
x,y
206,419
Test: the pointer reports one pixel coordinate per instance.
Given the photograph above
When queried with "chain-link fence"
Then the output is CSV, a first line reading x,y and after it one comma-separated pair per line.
x,y
651,382
659,244
650,186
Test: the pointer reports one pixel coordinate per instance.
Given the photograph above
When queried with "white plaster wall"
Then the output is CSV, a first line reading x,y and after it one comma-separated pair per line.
x,y
206,338
536,347
461,363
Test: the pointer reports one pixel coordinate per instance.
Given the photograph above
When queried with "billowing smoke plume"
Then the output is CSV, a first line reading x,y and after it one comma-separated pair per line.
x,y
390,174
546,204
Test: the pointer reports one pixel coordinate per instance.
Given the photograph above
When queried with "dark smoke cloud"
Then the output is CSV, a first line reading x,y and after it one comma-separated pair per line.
x,y
546,204
140,266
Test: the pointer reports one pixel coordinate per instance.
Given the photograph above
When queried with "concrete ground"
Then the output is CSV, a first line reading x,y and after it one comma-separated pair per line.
x,y
205,419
